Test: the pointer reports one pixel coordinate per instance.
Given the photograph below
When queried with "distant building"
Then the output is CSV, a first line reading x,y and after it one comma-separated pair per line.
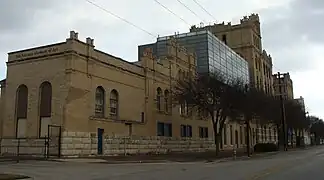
x,y
283,85
301,101
245,39
212,54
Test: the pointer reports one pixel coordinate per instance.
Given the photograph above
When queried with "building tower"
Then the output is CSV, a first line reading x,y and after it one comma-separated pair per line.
x,y
285,83
245,39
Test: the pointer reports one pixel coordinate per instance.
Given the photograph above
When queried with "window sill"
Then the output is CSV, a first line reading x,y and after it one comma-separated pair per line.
x,y
100,118
113,119
164,112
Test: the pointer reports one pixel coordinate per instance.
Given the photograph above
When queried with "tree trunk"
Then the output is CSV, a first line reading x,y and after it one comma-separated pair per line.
x,y
248,146
217,141
216,138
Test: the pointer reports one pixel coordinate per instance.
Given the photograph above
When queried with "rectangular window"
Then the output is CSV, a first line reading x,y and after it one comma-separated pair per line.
x,y
186,130
183,109
203,132
164,129
168,129
189,131
160,129
183,130
224,39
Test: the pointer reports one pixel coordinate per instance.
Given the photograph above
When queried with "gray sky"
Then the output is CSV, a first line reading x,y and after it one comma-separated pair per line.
x,y
291,30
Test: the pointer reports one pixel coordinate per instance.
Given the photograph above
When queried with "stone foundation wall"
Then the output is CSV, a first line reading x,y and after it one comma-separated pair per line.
x,y
85,144
28,146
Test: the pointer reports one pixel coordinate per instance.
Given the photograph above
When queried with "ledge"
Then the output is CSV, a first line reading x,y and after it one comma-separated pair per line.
x,y
114,120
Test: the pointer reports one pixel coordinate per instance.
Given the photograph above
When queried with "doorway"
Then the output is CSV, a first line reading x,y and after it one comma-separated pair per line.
x,y
100,141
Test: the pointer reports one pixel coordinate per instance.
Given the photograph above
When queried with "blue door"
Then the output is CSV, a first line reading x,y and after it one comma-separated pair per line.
x,y
100,134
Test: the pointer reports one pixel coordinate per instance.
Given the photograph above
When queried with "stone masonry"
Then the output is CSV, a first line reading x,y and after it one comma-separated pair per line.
x,y
86,144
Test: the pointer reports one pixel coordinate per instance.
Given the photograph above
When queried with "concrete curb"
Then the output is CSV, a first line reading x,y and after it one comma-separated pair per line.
x,y
147,161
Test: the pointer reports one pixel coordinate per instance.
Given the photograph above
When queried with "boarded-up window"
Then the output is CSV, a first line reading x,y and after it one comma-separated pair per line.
x,y
44,123
21,127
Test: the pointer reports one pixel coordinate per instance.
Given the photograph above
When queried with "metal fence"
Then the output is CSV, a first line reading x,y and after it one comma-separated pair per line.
x,y
27,148
12,148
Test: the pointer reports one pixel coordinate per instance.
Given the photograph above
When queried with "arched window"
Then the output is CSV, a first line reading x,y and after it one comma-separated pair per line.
x,y
166,100
158,98
45,105
100,102
113,103
45,108
21,110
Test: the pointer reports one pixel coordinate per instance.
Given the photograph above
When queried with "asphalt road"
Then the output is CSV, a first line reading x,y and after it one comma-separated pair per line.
x,y
297,165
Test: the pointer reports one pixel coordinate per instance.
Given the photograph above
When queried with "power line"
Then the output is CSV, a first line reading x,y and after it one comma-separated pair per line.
x,y
125,20
166,8
204,9
147,32
191,10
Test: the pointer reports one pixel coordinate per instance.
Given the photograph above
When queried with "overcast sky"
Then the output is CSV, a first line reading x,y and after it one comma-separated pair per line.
x,y
291,30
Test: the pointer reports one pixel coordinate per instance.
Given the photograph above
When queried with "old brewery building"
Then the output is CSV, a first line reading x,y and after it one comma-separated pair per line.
x,y
96,103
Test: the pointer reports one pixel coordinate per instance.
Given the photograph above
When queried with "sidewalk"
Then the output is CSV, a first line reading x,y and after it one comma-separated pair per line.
x,y
161,158
179,157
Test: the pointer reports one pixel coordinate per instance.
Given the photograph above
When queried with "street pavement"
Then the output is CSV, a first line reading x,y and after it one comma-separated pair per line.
x,y
297,165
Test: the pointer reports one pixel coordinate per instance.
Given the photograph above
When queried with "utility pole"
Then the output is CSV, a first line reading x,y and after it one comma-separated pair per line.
x,y
283,113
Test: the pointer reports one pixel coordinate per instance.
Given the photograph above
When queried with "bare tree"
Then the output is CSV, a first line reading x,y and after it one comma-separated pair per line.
x,y
271,114
250,105
295,118
317,128
211,96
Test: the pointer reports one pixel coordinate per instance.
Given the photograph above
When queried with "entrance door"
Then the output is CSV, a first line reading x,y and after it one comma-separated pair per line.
x,y
100,142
